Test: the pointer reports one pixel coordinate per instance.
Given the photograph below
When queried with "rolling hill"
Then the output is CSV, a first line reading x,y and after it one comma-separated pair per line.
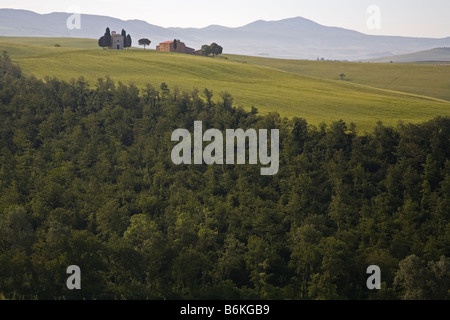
x,y
431,80
294,38
291,92
433,55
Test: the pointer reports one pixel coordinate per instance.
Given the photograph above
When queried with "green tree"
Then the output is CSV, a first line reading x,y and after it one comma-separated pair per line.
x,y
143,235
128,41
7,67
305,258
215,49
165,91
16,231
411,279
188,270
101,42
208,95
206,50
112,220
144,42
107,38
440,278
231,264
330,282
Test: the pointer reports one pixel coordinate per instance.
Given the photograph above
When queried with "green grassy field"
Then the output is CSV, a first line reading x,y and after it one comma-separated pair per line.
x,y
429,79
308,89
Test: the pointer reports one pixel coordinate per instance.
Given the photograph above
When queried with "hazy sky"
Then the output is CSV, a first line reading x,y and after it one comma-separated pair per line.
x,y
423,18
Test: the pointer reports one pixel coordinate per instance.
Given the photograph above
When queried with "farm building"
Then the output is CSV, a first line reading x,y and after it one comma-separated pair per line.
x,y
169,46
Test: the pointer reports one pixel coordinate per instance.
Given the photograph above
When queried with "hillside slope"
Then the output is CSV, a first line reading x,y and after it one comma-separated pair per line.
x,y
317,100
432,79
436,54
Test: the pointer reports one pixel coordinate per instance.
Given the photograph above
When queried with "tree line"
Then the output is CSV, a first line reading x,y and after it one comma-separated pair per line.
x,y
86,179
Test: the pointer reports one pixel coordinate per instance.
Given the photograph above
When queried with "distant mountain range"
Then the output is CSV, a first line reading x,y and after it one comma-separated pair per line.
x,y
294,38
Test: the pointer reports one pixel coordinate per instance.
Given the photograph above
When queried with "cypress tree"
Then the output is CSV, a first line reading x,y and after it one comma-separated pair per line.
x,y
108,40
124,36
128,41
101,42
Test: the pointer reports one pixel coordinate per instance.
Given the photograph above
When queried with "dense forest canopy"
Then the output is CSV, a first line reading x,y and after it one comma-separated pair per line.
x,y
86,179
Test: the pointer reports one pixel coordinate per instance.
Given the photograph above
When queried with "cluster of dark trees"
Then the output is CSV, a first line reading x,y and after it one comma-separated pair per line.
x,y
86,179
105,41
213,49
